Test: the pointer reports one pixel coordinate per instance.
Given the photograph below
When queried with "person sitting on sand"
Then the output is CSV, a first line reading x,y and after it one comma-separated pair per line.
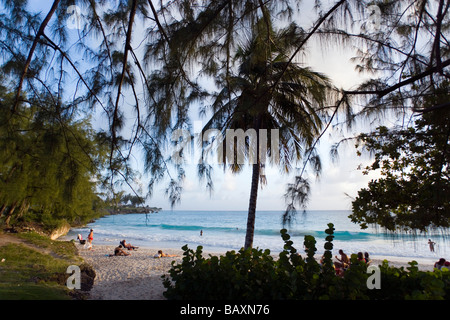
x,y
360,257
162,254
80,239
366,258
128,245
118,251
442,263
343,261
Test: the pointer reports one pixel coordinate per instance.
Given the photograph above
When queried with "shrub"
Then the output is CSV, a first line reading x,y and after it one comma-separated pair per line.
x,y
255,274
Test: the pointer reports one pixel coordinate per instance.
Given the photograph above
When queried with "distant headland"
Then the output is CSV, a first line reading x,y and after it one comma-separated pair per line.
x,y
124,209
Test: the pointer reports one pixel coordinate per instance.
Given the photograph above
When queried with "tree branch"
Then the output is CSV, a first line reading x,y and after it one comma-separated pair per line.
x,y
160,27
54,46
122,77
32,49
382,93
310,34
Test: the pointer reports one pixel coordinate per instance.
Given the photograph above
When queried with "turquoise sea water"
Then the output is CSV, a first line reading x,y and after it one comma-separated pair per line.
x,y
225,230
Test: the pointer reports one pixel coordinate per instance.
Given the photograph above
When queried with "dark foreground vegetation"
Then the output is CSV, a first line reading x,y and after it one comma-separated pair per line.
x,y
254,274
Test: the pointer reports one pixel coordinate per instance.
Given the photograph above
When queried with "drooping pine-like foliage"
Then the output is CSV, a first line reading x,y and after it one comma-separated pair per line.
x,y
142,67
50,164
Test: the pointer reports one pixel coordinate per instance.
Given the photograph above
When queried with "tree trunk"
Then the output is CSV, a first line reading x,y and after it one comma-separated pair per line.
x,y
10,213
252,207
23,208
2,209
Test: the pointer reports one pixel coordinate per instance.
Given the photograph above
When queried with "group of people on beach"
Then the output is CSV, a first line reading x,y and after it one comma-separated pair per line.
x,y
90,237
442,263
343,262
119,250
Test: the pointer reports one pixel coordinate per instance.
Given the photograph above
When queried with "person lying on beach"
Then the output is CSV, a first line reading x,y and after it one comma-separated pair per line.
x,y
162,254
118,251
128,245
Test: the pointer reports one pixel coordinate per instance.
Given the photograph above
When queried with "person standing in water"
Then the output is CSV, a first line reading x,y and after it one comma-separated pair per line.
x,y
431,244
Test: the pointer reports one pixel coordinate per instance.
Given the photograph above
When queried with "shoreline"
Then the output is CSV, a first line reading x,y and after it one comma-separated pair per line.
x,y
218,250
138,276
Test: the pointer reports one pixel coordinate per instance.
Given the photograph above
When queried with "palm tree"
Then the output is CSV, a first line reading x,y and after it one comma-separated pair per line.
x,y
269,92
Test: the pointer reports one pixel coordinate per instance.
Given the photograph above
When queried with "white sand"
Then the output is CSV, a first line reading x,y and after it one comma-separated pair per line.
x,y
133,277
424,264
138,276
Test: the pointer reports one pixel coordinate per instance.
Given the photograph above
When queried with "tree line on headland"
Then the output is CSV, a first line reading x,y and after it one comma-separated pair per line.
x,y
128,203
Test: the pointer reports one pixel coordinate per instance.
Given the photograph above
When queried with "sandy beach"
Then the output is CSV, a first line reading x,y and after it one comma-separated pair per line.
x,y
138,276
133,277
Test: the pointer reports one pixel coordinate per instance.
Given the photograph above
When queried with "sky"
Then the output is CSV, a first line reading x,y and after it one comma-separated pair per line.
x,y
333,190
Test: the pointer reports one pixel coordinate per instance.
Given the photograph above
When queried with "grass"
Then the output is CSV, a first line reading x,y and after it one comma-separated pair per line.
x,y
36,271
63,249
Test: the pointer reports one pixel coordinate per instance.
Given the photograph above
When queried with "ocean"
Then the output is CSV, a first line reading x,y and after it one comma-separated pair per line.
x,y
220,231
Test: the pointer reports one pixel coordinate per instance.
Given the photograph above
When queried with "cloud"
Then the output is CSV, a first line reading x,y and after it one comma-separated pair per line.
x,y
229,182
